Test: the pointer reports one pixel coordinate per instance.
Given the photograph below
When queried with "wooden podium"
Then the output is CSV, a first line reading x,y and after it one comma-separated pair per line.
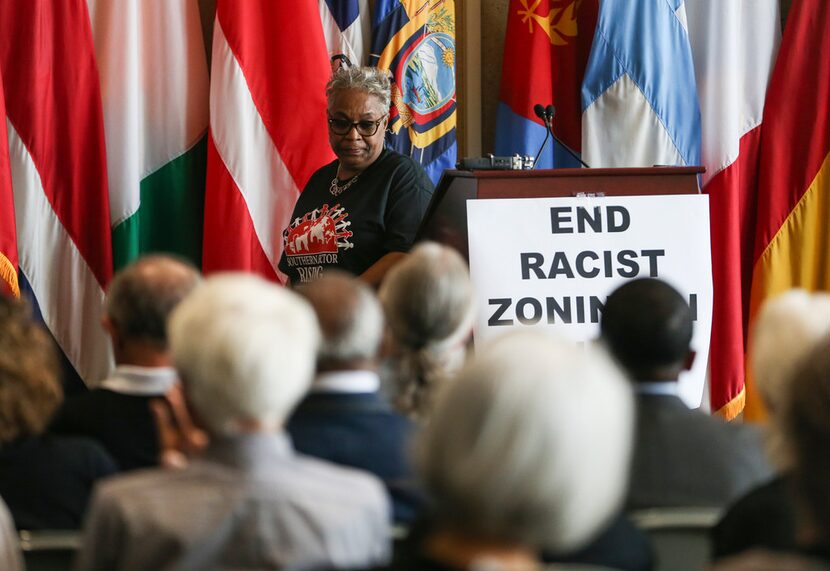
x,y
446,218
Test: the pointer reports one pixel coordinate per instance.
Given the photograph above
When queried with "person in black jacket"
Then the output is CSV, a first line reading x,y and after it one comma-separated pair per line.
x,y
45,480
682,457
117,412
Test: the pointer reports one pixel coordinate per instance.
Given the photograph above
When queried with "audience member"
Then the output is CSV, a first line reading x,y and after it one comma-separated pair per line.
x,y
117,413
245,351
45,480
807,430
786,328
429,307
762,560
526,450
344,419
10,557
682,457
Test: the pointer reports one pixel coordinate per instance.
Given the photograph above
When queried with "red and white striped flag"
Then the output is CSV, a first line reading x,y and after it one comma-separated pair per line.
x,y
268,130
59,176
734,45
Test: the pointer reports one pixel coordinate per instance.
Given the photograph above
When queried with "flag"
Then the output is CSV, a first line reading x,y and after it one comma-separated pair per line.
x,y
346,27
268,130
792,247
154,83
8,231
59,175
415,41
546,49
639,101
734,45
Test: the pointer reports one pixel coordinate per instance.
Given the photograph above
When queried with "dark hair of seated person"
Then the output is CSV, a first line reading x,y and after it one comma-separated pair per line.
x,y
647,326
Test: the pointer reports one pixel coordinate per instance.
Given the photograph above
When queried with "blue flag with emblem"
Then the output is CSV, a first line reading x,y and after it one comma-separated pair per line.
x,y
639,95
415,41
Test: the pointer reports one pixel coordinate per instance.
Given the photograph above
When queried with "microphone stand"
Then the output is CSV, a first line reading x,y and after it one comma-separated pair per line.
x,y
542,148
549,125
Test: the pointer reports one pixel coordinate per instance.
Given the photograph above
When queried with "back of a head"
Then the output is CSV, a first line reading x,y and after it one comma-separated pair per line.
x,y
807,427
30,389
350,318
429,308
530,443
647,326
245,349
142,295
786,328
428,297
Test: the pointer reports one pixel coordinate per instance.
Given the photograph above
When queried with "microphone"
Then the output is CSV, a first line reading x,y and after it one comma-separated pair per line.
x,y
547,114
542,114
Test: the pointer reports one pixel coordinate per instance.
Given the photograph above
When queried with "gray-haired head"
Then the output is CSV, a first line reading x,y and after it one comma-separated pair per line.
x,y
142,295
429,306
530,443
371,80
788,326
350,319
245,349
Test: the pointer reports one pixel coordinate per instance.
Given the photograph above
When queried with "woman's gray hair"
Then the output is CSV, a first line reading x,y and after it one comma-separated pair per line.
x,y
371,80
530,443
787,327
429,306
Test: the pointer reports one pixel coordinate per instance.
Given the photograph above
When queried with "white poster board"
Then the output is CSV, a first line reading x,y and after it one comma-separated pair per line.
x,y
550,263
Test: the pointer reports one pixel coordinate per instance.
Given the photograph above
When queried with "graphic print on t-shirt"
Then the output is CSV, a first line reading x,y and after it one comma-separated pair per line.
x,y
315,239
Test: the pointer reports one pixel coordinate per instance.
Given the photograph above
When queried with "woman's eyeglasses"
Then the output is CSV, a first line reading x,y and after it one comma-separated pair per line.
x,y
364,128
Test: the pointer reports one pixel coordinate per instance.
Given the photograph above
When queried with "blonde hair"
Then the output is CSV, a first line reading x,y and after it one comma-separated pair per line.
x,y
30,389
787,328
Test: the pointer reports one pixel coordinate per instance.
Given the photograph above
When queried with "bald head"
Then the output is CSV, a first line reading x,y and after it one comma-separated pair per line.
x,y
350,319
142,295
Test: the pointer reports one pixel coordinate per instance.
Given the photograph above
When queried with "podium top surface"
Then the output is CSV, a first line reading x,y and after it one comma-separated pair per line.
x,y
580,172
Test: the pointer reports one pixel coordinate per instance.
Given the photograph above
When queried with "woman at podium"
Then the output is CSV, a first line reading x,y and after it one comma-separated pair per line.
x,y
360,212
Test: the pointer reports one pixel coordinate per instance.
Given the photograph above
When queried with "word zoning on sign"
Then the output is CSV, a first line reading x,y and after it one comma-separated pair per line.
x,y
566,310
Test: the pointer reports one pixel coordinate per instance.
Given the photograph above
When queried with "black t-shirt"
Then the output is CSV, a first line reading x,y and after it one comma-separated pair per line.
x,y
378,214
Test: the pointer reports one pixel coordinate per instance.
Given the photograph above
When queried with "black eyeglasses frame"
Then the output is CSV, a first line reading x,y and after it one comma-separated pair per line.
x,y
356,125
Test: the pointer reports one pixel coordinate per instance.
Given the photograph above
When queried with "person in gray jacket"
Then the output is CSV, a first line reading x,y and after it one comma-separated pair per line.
x,y
682,457
245,350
